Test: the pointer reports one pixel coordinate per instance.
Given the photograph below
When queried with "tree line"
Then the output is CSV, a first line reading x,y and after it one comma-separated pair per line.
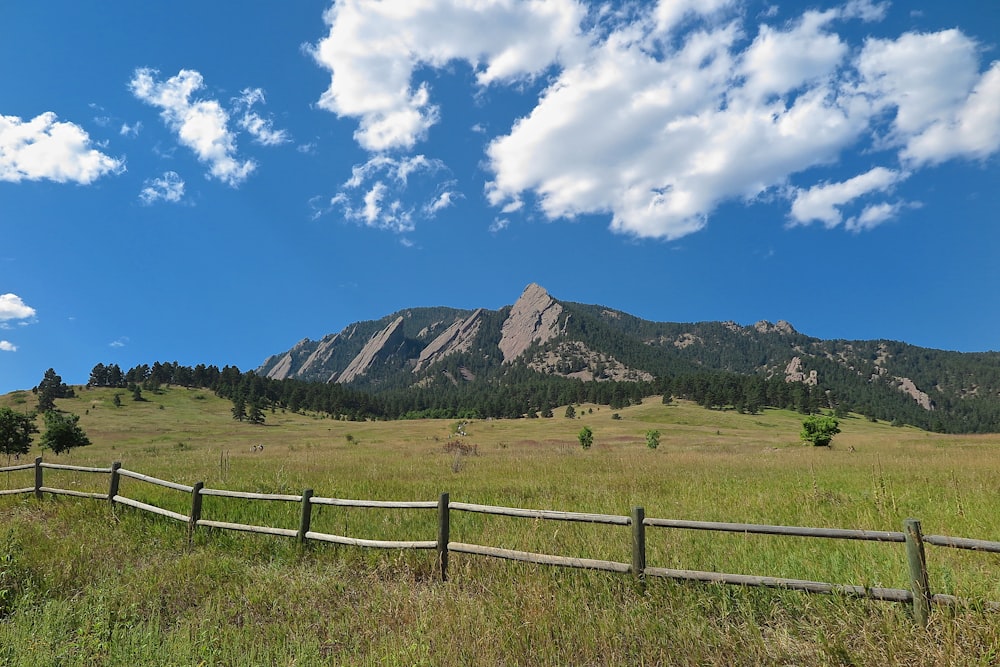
x,y
518,391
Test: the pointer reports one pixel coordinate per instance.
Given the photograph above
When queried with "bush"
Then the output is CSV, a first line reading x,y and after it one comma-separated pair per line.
x,y
586,437
652,439
819,429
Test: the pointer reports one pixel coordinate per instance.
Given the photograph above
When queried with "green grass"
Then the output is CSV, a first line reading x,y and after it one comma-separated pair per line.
x,y
81,583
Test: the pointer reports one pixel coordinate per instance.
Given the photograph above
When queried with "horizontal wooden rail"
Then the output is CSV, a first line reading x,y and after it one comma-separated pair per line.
x,y
24,466
12,492
762,529
384,504
153,480
61,466
148,508
962,543
613,519
375,544
69,492
540,559
885,594
248,528
246,495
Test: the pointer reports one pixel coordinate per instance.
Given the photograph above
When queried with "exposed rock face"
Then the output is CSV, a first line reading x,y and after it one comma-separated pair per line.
x,y
290,364
907,386
782,327
283,369
456,338
686,340
533,318
574,359
794,373
383,342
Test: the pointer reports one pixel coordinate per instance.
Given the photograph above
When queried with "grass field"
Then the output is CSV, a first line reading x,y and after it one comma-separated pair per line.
x,y
81,584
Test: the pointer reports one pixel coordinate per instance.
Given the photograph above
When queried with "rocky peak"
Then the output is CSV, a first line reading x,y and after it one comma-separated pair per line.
x,y
383,342
534,317
782,327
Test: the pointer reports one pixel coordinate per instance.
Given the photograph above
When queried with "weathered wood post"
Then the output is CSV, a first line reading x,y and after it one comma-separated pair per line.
x,y
639,546
444,534
38,478
115,479
195,509
918,571
306,517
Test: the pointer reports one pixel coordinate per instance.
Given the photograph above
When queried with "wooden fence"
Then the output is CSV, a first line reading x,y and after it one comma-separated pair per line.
x,y
919,594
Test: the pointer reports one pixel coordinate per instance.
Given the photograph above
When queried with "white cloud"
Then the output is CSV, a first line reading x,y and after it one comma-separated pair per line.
x,y
168,188
670,13
971,130
443,201
46,148
377,194
658,113
201,125
261,129
659,142
499,224
823,202
873,216
121,342
779,61
372,50
131,130
12,307
7,346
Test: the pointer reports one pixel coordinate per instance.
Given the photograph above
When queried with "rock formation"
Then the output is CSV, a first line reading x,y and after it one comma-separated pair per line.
x,y
383,342
533,318
456,338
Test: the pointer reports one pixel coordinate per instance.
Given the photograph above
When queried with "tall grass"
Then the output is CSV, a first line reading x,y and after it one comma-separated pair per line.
x,y
83,583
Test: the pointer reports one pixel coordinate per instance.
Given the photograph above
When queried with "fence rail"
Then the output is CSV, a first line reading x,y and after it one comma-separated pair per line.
x,y
919,594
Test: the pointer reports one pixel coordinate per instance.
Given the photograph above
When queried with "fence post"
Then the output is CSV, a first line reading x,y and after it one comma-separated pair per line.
x,y
115,478
306,517
639,546
444,534
38,478
195,509
918,571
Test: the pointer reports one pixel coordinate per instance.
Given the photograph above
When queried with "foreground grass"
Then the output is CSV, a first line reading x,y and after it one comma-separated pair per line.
x,y
82,584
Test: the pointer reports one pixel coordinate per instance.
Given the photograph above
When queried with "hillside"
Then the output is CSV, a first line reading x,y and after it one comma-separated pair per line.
x,y
452,352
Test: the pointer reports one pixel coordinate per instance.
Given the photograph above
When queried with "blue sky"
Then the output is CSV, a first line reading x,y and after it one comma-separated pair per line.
x,y
212,182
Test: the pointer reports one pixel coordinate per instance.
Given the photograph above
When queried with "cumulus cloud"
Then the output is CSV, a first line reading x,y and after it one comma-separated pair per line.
x,y
12,307
824,202
377,193
168,188
201,125
47,148
7,346
373,49
656,114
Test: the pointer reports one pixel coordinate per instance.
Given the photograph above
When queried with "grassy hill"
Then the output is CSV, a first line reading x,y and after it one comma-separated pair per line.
x,y
82,584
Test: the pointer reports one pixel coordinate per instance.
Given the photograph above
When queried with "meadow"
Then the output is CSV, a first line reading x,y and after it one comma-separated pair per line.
x,y
82,583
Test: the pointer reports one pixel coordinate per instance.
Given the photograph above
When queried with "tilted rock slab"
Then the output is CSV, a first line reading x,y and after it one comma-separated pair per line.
x,y
456,338
533,318
384,341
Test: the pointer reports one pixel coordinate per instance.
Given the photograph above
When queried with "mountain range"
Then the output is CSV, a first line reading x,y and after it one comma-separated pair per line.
x,y
540,336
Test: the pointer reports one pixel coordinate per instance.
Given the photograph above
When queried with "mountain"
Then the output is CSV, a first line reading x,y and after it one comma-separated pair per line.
x,y
444,349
